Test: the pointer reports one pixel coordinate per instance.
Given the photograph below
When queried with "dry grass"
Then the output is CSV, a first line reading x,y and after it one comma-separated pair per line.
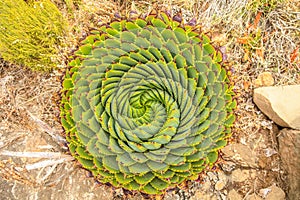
x,y
254,43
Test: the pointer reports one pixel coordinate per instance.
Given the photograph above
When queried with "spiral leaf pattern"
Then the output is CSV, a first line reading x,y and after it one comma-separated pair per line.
x,y
146,104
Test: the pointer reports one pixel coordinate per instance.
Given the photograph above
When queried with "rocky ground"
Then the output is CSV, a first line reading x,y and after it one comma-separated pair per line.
x,y
261,159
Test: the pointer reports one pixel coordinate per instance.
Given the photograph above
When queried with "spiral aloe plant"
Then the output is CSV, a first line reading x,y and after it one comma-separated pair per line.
x,y
146,104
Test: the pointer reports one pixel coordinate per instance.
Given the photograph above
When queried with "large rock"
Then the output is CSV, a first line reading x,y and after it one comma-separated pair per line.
x,y
289,150
72,185
280,104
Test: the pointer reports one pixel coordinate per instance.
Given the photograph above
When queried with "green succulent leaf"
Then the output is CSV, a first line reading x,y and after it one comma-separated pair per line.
x,y
159,184
146,103
121,178
139,168
85,49
132,185
144,179
88,164
68,84
212,157
181,168
158,23
83,153
149,189
229,121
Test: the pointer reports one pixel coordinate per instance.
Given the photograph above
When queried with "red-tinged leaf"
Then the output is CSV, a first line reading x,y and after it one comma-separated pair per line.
x,y
294,55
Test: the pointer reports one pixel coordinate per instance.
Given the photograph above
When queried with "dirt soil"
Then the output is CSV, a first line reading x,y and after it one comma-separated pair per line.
x,y
258,35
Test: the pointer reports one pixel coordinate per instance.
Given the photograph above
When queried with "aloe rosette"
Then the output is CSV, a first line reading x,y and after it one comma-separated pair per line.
x,y
146,104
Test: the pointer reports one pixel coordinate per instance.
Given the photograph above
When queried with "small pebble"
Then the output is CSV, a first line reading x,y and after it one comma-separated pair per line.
x,y
220,185
228,166
264,79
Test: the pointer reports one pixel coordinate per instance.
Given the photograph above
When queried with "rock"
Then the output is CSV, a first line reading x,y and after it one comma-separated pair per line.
x,y
234,195
228,166
168,196
220,185
280,104
289,151
222,176
75,185
275,193
240,154
212,176
222,181
239,175
206,185
264,192
253,197
264,79
200,195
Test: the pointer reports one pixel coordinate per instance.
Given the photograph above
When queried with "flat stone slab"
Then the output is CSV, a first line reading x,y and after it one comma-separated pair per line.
x,y
280,103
